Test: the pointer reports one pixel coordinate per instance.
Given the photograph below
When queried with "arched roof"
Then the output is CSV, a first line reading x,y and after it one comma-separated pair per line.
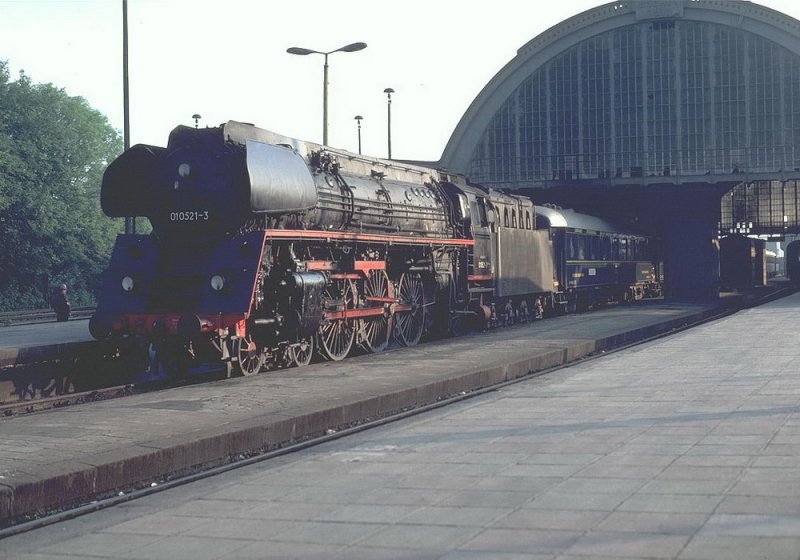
x,y
568,218
743,15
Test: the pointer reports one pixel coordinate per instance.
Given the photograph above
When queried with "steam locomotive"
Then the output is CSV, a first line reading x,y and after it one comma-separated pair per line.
x,y
268,251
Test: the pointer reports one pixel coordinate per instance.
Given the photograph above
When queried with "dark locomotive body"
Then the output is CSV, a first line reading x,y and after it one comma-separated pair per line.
x,y
266,250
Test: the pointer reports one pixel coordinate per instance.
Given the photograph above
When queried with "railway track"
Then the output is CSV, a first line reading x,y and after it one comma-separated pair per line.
x,y
60,401
8,318
60,388
51,385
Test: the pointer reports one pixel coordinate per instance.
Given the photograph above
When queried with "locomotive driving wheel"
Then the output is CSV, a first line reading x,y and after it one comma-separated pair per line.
x,y
300,354
336,336
410,322
374,331
249,355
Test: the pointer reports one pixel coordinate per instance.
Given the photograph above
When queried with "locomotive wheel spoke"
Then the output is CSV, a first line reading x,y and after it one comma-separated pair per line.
x,y
374,331
300,354
336,337
250,357
410,323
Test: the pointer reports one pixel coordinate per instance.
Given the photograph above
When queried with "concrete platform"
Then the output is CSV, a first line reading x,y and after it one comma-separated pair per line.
x,y
684,448
30,343
64,457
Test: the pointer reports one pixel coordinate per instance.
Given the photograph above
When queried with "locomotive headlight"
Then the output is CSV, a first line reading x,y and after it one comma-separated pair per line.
x,y
184,170
127,284
218,282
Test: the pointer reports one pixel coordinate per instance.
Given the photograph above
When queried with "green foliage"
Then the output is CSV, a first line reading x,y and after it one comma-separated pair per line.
x,y
53,150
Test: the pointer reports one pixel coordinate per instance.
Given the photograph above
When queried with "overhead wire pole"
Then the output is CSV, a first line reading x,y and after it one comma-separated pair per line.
x,y
130,222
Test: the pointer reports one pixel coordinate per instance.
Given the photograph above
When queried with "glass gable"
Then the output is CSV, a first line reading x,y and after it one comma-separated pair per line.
x,y
664,97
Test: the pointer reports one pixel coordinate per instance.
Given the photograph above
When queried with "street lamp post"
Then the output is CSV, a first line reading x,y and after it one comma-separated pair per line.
x,y
352,47
359,118
130,222
389,91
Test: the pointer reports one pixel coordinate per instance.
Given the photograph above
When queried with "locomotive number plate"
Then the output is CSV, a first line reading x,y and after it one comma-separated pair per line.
x,y
189,216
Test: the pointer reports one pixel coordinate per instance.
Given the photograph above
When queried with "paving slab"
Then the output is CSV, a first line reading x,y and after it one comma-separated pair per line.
x,y
606,459
65,457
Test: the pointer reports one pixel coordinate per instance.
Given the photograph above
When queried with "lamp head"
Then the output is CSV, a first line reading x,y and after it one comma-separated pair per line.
x,y
352,47
301,51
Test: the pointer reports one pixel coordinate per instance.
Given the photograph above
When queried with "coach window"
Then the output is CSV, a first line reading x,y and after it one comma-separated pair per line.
x,y
474,214
482,210
462,206
492,216
577,247
479,212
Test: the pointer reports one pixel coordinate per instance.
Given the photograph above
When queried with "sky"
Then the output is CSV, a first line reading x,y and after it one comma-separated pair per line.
x,y
227,60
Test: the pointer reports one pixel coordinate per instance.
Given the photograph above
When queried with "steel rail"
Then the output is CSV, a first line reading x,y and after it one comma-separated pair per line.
x,y
41,315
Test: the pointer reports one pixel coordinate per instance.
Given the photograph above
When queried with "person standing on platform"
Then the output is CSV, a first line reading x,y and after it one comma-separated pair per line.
x,y
60,303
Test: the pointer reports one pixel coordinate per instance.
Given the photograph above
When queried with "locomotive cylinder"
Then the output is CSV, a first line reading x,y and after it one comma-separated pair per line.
x,y
309,286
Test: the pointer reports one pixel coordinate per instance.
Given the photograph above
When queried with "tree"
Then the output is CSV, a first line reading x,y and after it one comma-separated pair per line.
x,y
53,150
